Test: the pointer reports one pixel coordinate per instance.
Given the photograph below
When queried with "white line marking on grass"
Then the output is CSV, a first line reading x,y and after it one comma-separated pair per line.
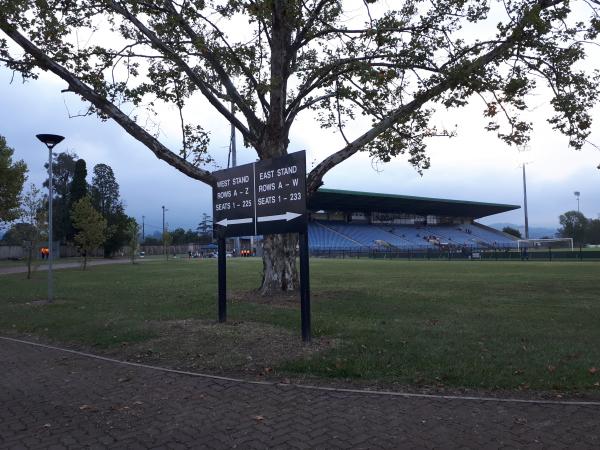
x,y
304,386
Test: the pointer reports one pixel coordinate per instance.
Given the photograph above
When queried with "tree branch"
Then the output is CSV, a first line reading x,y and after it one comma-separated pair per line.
x,y
108,108
452,79
221,72
249,135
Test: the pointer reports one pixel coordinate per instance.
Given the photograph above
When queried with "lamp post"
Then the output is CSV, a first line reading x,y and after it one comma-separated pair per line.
x,y
577,194
50,140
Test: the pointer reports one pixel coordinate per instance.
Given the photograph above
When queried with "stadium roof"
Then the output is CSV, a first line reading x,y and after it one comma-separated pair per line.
x,y
353,201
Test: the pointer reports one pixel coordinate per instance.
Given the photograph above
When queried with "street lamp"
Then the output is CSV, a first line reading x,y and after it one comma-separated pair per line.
x,y
577,194
51,141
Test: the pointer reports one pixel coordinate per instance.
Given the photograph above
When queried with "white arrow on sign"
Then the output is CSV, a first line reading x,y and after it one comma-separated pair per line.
x,y
226,222
287,217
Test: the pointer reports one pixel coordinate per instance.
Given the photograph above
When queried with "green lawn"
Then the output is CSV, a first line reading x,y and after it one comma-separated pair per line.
x,y
504,325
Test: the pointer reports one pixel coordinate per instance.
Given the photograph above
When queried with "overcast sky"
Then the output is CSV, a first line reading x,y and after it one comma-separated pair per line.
x,y
475,165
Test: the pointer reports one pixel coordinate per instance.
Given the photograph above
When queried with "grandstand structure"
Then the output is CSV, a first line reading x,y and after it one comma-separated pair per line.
x,y
366,222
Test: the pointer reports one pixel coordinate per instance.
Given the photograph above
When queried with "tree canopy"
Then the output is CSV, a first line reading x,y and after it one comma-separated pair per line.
x,y
63,170
573,225
512,231
12,178
373,70
581,229
90,226
105,190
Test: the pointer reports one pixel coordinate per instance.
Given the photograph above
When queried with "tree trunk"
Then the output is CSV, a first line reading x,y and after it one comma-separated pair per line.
x,y
279,251
84,260
29,258
279,263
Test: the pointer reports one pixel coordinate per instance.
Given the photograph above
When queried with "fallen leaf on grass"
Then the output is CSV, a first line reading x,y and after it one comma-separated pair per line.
x,y
258,418
593,370
551,369
87,408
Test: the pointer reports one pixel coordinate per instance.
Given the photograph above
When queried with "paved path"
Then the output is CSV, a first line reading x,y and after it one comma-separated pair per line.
x,y
63,265
52,399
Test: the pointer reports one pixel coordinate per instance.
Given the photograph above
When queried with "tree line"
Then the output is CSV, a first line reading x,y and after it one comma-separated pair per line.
x,y
88,215
583,230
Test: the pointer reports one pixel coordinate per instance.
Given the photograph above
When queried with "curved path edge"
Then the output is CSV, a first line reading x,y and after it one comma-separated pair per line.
x,y
305,386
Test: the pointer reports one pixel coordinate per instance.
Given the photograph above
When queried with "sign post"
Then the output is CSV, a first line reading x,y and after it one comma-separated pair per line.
x,y
304,287
222,269
265,197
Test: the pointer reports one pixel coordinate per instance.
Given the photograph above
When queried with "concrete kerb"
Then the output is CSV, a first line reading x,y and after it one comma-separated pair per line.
x,y
308,387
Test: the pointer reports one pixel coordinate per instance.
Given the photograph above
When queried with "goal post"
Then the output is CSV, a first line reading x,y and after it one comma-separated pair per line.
x,y
554,243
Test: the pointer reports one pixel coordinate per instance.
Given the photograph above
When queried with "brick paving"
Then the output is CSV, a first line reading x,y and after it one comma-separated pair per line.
x,y
56,400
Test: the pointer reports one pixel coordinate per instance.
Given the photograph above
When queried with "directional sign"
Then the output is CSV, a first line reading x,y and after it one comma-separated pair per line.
x,y
266,197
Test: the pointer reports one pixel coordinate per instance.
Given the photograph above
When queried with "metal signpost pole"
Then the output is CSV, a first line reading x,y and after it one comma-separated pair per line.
x,y
304,287
222,268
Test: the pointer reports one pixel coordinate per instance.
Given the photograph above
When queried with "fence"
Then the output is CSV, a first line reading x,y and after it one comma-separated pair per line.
x,y
11,252
18,252
470,254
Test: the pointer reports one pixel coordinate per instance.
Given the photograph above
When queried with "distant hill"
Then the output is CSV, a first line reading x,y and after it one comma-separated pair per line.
x,y
534,232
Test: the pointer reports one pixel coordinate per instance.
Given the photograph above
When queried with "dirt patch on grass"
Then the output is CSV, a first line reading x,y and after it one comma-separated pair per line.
x,y
281,300
234,348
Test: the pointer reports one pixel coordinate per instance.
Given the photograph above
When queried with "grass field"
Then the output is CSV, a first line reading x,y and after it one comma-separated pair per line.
x,y
505,325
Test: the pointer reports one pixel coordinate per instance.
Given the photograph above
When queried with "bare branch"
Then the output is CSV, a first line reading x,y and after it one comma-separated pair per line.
x,y
107,107
249,135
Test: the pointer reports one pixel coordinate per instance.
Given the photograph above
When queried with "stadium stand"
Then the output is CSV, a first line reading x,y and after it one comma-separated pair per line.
x,y
323,237
436,223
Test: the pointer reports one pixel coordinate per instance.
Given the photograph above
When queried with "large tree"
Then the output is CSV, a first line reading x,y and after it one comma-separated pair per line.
x,y
105,190
12,177
90,226
592,234
35,221
392,62
573,224
77,190
106,199
63,170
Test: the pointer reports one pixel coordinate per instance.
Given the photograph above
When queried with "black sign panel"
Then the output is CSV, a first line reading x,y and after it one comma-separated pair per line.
x,y
266,197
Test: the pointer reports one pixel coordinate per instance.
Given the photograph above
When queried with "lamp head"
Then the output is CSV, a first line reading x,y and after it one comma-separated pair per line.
x,y
50,139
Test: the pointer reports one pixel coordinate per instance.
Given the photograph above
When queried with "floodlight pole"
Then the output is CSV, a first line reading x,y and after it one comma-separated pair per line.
x,y
143,228
525,203
50,140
